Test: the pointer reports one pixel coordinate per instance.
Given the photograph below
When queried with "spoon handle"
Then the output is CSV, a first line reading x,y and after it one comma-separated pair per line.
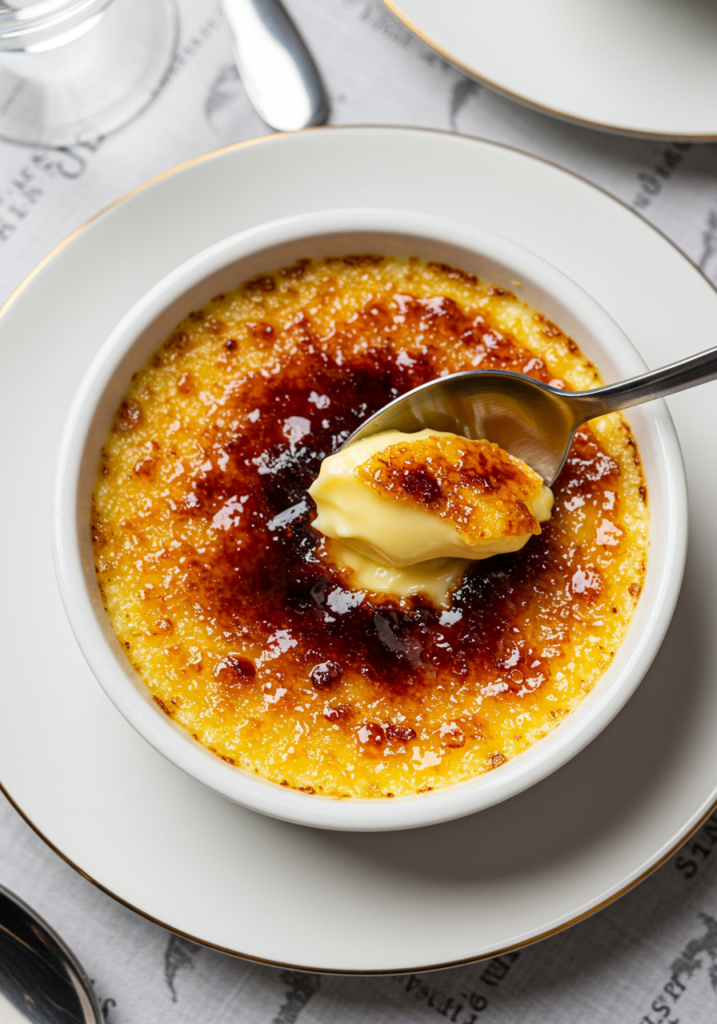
x,y
687,373
276,68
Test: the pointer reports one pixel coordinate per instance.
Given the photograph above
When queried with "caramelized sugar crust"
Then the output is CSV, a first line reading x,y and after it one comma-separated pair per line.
x,y
475,485
221,591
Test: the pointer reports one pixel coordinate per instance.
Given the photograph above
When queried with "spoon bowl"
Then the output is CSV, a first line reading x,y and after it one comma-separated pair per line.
x,y
40,979
523,416
529,419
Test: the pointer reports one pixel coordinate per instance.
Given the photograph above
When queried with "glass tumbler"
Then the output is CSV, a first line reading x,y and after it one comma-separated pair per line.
x,y
74,70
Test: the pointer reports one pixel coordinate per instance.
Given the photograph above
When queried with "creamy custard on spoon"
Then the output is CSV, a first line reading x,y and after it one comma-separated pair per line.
x,y
407,512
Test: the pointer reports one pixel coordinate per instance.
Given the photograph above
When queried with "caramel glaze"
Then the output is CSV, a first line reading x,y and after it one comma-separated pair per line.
x,y
267,573
280,582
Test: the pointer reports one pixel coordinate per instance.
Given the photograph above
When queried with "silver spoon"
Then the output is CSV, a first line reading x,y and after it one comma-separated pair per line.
x,y
40,979
531,420
276,69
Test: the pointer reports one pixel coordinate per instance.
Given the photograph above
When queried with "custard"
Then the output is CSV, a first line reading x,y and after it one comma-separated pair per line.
x,y
402,498
245,627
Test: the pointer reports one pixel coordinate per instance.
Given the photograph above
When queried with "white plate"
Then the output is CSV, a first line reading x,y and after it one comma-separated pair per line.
x,y
225,876
646,67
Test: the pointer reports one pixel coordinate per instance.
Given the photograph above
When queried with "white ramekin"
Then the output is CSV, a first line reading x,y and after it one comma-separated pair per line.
x,y
340,232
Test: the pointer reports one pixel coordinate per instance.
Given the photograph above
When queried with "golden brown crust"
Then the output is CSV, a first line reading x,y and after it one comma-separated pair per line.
x,y
481,489
208,564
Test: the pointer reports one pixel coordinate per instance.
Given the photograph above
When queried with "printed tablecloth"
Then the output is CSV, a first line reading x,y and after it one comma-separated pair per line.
x,y
650,958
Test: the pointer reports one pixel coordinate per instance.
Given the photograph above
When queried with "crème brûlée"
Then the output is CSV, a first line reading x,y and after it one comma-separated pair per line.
x,y
316,663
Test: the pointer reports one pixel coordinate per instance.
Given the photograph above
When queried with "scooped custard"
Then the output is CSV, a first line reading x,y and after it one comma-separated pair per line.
x,y
423,503
335,663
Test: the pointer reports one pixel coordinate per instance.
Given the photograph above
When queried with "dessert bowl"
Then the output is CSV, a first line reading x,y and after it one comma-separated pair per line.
x,y
339,232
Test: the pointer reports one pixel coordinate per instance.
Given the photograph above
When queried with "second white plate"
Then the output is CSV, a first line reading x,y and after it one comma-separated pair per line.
x,y
254,886
645,67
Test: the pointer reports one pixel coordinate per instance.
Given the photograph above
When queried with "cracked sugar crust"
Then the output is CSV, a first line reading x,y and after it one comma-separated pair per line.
x,y
475,485
218,587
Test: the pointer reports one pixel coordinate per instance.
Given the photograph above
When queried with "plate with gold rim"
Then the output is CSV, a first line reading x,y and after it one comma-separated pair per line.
x,y
643,68
264,889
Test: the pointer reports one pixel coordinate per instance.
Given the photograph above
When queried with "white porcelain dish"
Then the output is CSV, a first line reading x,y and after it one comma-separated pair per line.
x,y
153,837
334,233
643,67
